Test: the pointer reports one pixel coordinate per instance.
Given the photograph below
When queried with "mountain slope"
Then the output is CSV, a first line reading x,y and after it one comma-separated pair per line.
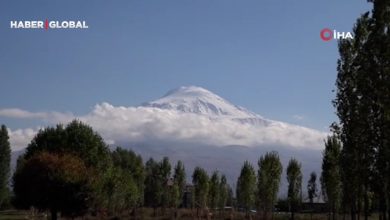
x,y
203,103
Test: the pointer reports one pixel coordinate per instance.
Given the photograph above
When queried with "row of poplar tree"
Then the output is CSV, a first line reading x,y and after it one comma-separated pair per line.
x,y
359,166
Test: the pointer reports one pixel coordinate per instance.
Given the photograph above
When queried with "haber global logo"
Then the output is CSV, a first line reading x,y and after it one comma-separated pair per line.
x,y
327,34
46,24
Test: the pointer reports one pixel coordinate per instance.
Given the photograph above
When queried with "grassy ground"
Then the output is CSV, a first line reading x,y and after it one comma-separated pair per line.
x,y
148,214
19,215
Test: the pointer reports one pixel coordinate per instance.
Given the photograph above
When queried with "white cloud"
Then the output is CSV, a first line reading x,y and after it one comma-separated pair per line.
x,y
53,117
137,124
20,138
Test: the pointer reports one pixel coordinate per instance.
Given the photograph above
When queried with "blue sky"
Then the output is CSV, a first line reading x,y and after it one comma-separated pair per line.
x,y
266,56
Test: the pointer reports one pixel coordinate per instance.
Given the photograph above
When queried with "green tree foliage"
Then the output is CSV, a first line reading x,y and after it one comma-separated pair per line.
x,y
200,180
117,191
223,192
246,187
5,159
130,171
165,174
294,179
230,197
377,71
352,104
57,182
330,177
268,181
214,191
76,138
363,107
157,192
175,199
153,185
179,178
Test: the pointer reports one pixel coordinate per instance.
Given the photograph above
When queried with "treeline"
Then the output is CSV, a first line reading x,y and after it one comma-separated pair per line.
x,y
70,170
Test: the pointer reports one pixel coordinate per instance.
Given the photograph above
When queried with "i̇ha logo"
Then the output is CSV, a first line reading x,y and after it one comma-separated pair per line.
x,y
46,24
327,34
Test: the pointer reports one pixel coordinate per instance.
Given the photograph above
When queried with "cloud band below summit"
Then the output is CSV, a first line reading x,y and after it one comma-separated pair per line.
x,y
119,124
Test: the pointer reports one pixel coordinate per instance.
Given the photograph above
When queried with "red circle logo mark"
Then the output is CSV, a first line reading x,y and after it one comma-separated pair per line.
x,y
326,34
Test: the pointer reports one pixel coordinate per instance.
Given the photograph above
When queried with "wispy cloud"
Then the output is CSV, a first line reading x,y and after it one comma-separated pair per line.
x,y
45,116
298,117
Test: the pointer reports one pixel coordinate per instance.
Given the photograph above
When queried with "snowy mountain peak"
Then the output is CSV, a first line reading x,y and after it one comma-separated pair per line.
x,y
189,91
193,99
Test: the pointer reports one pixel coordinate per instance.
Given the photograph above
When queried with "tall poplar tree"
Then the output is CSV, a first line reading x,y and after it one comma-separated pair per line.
x,y
246,187
223,192
294,179
5,159
214,191
363,107
330,176
378,70
200,180
268,181
179,178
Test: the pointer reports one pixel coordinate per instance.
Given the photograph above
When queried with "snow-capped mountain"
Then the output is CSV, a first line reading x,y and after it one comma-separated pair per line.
x,y
193,99
197,100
